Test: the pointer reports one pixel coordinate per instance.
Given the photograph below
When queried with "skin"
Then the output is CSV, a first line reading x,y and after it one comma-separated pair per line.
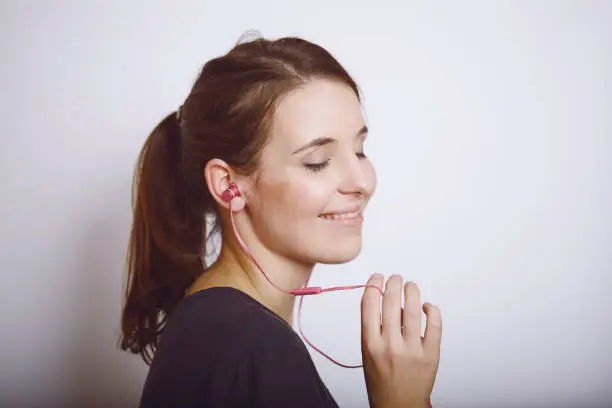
x,y
279,215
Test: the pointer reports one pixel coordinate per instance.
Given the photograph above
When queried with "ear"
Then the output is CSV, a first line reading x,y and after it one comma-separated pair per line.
x,y
219,175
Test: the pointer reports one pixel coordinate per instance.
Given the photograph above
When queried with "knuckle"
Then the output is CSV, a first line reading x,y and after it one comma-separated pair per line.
x,y
373,347
435,321
394,349
413,312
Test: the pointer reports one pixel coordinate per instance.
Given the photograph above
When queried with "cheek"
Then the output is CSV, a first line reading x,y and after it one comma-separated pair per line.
x,y
303,197
286,215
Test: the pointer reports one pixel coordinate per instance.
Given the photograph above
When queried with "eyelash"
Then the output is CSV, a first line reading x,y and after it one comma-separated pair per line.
x,y
314,167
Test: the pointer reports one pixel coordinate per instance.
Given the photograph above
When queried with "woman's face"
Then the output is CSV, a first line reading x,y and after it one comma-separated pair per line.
x,y
314,179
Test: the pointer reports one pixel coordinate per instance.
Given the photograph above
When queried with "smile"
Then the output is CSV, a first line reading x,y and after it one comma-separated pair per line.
x,y
352,215
342,216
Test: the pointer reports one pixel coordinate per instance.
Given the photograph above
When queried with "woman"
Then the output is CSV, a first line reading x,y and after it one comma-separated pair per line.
x,y
278,125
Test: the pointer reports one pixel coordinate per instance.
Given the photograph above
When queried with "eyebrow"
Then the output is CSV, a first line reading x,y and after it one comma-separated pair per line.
x,y
322,141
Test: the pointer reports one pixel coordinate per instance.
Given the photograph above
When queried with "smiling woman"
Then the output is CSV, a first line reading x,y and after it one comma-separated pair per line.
x,y
270,141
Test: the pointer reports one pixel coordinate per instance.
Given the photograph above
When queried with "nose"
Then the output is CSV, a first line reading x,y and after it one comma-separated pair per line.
x,y
356,177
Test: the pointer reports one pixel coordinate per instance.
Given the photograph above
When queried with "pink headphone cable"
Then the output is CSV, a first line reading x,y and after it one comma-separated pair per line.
x,y
227,196
233,192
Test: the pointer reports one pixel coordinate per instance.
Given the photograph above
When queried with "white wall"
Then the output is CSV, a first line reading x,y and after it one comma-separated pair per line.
x,y
492,136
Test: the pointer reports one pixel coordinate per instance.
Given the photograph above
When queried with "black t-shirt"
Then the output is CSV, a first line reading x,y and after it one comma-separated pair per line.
x,y
221,348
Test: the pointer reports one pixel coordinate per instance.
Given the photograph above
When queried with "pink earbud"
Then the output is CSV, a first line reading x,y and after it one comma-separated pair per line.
x,y
231,192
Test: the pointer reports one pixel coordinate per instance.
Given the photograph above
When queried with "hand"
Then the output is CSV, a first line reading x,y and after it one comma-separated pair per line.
x,y
400,366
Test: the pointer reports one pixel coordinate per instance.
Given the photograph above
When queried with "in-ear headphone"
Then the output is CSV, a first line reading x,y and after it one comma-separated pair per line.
x,y
233,196
230,193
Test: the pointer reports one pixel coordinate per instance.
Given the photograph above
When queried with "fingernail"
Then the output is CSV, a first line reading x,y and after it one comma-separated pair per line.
x,y
377,276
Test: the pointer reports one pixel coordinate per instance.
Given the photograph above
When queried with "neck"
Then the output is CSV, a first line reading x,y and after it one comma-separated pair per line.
x,y
235,269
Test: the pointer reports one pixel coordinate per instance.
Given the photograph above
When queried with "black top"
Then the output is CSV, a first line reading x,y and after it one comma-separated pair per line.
x,y
222,348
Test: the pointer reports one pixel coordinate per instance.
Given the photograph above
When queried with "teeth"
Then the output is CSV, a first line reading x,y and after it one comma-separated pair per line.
x,y
343,216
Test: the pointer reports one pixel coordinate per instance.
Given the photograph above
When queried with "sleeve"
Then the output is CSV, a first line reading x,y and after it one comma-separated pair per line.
x,y
280,375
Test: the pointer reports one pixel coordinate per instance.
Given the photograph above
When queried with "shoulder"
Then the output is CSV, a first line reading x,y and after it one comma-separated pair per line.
x,y
233,349
219,327
226,318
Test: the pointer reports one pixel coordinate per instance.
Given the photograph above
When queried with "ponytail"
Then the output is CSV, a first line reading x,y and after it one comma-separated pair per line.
x,y
166,240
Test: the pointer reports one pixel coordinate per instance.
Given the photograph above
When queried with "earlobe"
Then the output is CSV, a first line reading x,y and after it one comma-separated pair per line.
x,y
238,204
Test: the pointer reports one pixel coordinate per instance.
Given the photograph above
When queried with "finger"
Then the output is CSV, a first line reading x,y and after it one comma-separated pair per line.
x,y
433,330
370,308
412,313
391,308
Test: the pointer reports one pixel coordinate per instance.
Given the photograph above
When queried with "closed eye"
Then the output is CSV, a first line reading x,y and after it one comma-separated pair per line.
x,y
316,166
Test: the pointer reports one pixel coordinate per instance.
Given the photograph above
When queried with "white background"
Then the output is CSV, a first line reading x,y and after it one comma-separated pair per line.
x,y
491,132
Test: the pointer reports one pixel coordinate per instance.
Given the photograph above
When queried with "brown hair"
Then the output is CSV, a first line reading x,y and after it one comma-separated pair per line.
x,y
227,116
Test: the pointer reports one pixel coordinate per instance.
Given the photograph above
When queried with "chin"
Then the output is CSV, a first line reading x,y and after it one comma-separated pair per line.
x,y
339,255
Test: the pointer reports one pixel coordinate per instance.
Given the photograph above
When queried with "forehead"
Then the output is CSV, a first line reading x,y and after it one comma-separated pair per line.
x,y
319,108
